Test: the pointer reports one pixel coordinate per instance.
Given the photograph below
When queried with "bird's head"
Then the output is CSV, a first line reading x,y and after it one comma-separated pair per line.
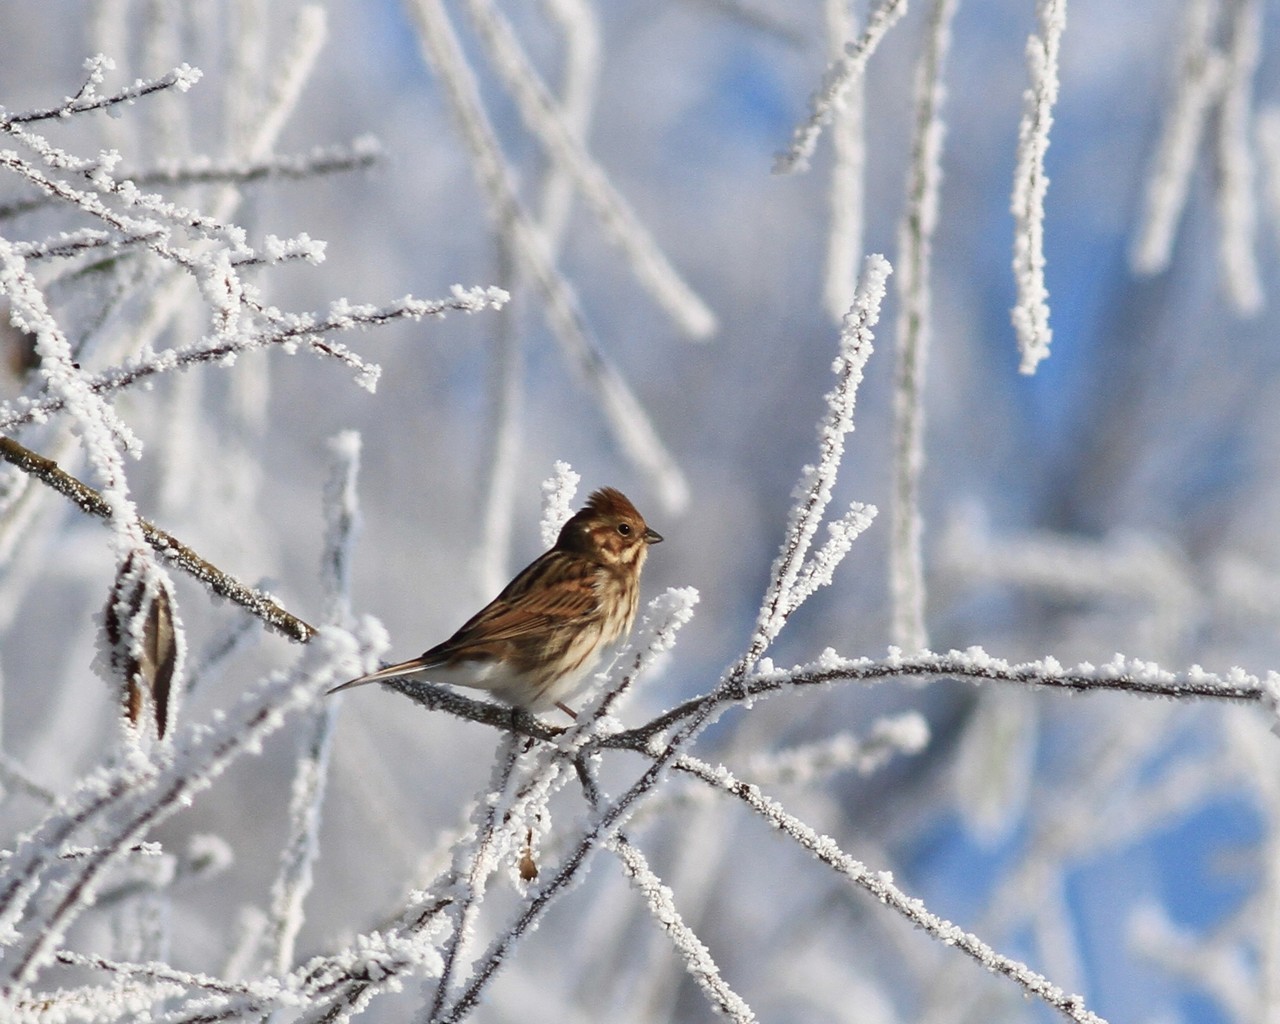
x,y
610,528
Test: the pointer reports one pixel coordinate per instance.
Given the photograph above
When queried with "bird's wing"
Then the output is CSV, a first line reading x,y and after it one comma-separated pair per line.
x,y
553,593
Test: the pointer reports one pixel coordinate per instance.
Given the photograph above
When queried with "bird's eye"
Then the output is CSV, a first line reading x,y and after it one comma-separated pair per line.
x,y
624,529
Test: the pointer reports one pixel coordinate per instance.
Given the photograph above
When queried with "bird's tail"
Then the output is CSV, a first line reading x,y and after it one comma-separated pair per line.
x,y
404,668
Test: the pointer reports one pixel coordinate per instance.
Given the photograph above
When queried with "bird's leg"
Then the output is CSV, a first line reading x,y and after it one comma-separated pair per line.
x,y
516,716
567,710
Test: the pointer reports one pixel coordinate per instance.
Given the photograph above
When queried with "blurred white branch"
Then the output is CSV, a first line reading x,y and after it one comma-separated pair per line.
x,y
914,331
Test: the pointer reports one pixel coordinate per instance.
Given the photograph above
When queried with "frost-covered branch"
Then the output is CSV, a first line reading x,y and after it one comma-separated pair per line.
x,y
850,65
975,665
88,98
261,605
880,885
697,959
1268,133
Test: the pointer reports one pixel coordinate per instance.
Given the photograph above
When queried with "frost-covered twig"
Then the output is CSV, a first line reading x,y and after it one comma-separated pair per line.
x,y
288,331
104,434
697,959
565,148
261,605
819,569
850,65
880,885
915,311
290,70
1120,675
789,580
1030,184
182,78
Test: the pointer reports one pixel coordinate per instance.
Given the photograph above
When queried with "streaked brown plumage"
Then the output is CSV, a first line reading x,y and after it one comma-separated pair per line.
x,y
538,639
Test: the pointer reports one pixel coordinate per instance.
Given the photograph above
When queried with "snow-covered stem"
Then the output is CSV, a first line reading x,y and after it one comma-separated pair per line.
x,y
1237,171
174,552
1201,71
1030,313
1120,675
692,951
566,151
848,185
247,66
186,981
915,312
813,493
150,229
880,885
851,64
627,419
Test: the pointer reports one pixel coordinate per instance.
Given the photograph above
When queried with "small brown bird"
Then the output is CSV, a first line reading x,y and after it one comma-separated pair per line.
x,y
536,641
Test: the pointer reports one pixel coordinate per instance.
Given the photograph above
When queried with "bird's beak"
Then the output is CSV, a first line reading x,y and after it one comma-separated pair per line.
x,y
652,536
